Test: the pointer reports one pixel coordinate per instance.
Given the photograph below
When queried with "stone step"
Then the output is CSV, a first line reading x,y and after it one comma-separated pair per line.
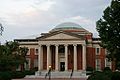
x,y
57,74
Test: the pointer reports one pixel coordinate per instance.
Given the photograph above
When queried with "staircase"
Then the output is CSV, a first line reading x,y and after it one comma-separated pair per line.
x,y
57,74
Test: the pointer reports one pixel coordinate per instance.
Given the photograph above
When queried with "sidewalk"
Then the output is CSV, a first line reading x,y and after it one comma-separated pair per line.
x,y
51,79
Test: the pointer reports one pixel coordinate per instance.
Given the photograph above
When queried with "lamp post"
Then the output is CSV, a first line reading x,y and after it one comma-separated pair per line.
x,y
49,72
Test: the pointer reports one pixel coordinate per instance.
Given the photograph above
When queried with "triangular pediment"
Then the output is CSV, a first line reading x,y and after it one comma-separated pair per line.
x,y
61,36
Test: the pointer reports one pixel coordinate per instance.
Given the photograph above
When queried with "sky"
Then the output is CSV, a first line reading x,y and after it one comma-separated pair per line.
x,y
22,18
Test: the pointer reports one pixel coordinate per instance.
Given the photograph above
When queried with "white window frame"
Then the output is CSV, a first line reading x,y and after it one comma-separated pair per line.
x,y
35,62
108,63
96,49
28,53
98,64
36,53
27,66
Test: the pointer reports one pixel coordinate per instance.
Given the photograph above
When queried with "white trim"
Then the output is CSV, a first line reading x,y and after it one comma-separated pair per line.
x,y
28,53
36,52
98,64
35,62
108,63
61,42
97,50
27,66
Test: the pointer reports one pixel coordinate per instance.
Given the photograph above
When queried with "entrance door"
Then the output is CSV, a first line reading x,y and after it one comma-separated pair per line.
x,y
62,66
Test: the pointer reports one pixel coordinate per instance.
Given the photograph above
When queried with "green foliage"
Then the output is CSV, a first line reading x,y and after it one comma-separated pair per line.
x,y
18,74
107,69
5,75
11,56
107,74
8,75
115,76
108,28
89,70
98,76
29,72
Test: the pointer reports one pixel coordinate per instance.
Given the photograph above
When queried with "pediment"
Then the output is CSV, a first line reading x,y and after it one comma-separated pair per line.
x,y
61,36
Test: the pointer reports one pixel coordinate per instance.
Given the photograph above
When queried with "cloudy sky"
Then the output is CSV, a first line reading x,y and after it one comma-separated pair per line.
x,y
22,18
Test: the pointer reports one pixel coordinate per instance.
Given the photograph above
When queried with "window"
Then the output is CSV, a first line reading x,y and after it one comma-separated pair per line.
x,y
97,51
36,51
27,65
28,53
107,63
98,64
61,49
35,62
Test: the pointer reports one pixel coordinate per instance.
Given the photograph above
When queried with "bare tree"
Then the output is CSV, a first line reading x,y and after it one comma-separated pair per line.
x,y
1,29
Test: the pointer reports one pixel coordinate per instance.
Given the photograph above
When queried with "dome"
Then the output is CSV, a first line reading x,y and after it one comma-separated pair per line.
x,y
67,26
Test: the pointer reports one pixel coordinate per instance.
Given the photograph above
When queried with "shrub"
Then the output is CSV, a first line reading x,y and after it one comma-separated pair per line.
x,y
29,72
106,69
18,74
98,76
5,75
115,76
89,70
35,69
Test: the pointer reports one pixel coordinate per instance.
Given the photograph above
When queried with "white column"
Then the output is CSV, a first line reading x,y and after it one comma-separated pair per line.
x,y
84,56
56,57
39,58
66,57
48,57
75,57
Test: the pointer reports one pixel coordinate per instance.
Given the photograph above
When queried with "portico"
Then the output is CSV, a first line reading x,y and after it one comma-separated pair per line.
x,y
62,55
63,48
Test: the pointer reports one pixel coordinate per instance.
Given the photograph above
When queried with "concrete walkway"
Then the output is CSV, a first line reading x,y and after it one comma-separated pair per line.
x,y
51,79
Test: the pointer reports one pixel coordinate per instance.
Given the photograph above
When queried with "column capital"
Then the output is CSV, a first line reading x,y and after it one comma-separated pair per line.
x,y
39,45
47,45
74,44
56,44
83,44
65,44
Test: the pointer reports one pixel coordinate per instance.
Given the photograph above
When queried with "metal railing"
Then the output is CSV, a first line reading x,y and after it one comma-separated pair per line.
x,y
71,74
48,74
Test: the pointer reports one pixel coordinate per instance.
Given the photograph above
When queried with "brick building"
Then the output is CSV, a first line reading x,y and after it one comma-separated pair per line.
x,y
67,46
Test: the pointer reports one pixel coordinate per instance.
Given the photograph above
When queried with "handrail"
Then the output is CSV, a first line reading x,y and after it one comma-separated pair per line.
x,y
48,74
71,74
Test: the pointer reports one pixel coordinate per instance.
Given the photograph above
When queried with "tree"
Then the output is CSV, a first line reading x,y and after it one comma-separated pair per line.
x,y
12,56
1,29
108,28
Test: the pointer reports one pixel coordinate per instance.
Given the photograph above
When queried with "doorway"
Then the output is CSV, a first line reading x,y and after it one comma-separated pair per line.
x,y
62,66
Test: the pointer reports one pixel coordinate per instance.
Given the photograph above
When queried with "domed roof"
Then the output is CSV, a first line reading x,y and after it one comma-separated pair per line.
x,y
67,26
